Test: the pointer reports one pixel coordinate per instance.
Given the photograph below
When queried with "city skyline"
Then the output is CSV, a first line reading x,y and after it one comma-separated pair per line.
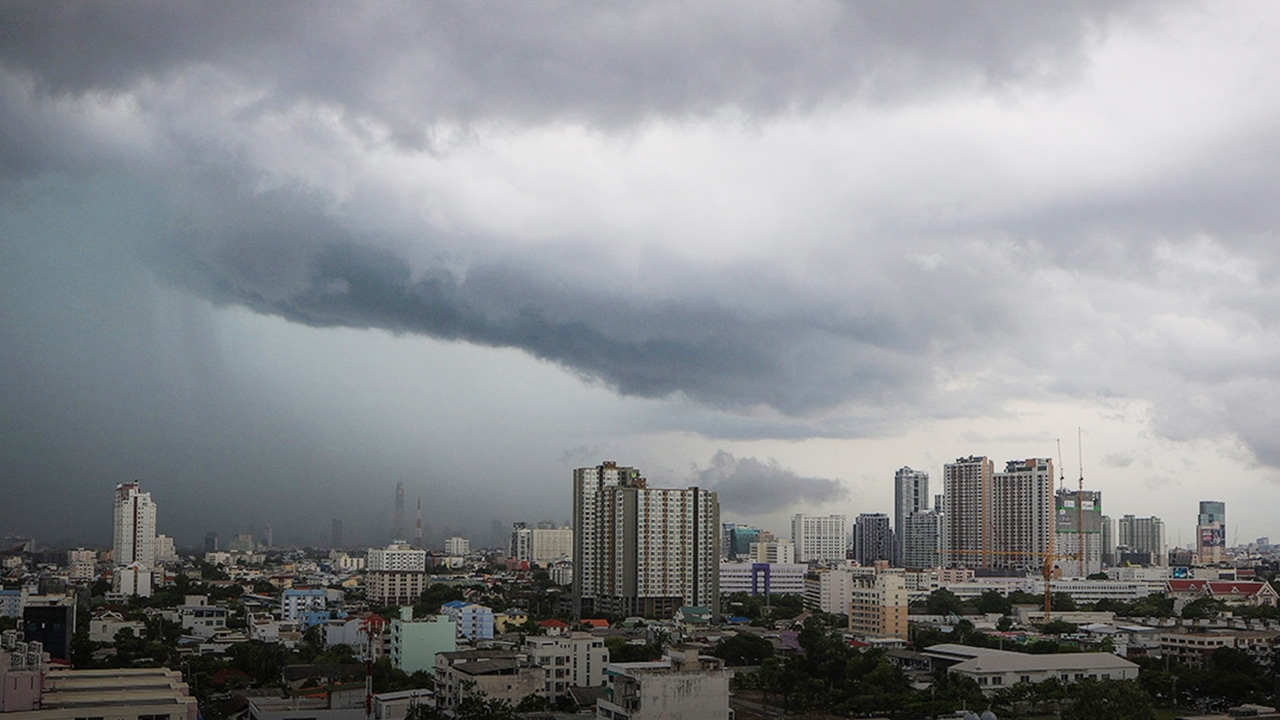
x,y
272,262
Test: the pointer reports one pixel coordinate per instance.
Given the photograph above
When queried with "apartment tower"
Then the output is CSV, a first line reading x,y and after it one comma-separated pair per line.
x,y
910,495
967,516
133,548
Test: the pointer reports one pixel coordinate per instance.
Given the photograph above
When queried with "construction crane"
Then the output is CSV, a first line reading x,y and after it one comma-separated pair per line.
x,y
1047,571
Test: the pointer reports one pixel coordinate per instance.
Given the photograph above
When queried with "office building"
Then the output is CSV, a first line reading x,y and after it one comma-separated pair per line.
x,y
967,513
922,540
737,540
639,550
819,538
762,578
211,542
396,574
1143,536
873,539
910,496
1211,532
1022,513
772,552
1078,522
133,548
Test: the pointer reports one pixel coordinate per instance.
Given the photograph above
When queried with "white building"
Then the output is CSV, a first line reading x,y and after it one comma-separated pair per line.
x,y
642,551
819,538
667,689
457,546
396,574
165,552
133,549
575,660
82,565
762,578
547,545
772,552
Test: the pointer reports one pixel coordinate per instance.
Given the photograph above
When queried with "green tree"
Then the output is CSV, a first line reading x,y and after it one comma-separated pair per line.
x,y
1203,609
743,649
1108,700
942,602
991,601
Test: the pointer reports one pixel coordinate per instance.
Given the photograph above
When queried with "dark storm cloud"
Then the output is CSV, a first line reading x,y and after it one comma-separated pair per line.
x,y
412,64
748,486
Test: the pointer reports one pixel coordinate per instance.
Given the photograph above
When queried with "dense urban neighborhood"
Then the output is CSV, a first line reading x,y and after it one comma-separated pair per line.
x,y
648,606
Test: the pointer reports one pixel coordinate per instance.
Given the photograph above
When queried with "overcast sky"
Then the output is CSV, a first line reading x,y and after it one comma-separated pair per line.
x,y
271,260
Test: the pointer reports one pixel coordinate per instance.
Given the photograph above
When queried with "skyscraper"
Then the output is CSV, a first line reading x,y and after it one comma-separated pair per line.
x,y
133,549
923,535
639,550
967,516
1211,532
910,495
819,538
873,539
1022,513
1143,535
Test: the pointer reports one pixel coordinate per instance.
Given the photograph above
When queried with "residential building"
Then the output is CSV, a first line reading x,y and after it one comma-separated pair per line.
x,y
574,660
199,618
473,621
457,546
414,643
165,551
82,565
667,689
639,550
819,538
396,574
1108,541
1194,646
878,607
551,544
772,552
1143,535
520,548
873,539
133,547
829,589
1022,514
762,578
1078,529
498,674
921,540
910,496
967,513
1211,532
297,602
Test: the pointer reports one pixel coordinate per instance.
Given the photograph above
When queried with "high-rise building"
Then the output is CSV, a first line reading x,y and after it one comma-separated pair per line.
x,y
81,565
1022,513
457,546
1211,532
521,546
873,539
922,533
396,574
737,539
910,495
819,538
211,542
878,607
133,549
967,513
1144,536
1078,516
639,550
1108,541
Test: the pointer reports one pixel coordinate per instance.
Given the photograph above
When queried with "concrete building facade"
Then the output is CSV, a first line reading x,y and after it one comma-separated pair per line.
x,y
819,538
910,496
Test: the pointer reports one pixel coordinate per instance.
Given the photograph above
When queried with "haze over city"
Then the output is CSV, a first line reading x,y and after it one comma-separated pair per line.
x,y
272,260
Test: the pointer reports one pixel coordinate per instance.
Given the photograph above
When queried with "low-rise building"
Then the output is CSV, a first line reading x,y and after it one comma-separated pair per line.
x,y
1194,646
414,643
498,674
474,621
996,669
762,578
669,689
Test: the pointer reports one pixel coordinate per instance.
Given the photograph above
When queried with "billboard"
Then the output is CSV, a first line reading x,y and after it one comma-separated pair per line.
x,y
1212,537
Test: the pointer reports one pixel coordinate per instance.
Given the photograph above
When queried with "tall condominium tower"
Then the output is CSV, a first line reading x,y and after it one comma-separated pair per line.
x,y
639,550
1078,516
1211,532
910,495
1022,513
922,532
819,538
133,549
1143,535
873,539
967,516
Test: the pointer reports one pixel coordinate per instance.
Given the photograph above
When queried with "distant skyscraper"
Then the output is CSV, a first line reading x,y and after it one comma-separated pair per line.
x,y
521,546
967,516
417,527
1022,513
397,517
910,495
1143,535
819,538
1211,532
1071,509
1108,541
639,550
873,539
211,542
133,549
